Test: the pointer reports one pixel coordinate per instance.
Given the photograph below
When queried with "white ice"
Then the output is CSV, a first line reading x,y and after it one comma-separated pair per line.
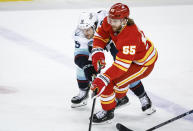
x,y
38,80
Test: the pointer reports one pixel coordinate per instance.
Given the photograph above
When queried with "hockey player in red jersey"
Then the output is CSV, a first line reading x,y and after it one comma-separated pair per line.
x,y
134,61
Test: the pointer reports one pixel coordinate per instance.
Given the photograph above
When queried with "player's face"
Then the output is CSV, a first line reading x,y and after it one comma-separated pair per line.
x,y
116,23
89,33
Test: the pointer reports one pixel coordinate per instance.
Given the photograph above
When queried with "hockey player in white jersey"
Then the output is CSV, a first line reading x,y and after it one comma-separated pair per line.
x,y
83,38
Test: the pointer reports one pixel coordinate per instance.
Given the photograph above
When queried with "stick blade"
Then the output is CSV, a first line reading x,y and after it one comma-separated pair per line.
x,y
121,127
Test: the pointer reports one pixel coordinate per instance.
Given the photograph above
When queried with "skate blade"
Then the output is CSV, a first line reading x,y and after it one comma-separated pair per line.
x,y
83,103
150,111
103,123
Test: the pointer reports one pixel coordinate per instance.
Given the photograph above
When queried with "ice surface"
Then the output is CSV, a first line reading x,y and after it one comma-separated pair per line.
x,y
37,73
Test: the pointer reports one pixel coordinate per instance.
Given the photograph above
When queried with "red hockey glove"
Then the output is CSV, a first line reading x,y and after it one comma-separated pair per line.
x,y
99,84
98,59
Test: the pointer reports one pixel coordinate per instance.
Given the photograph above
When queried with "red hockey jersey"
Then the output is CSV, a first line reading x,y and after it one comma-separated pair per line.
x,y
132,46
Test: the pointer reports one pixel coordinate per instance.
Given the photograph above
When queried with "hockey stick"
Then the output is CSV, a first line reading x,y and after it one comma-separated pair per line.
x,y
92,113
94,101
121,127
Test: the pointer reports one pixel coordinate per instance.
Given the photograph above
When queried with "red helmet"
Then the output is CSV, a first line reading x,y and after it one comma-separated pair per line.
x,y
119,11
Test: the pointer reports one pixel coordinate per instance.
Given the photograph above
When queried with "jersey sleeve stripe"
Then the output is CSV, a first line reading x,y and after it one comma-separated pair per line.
x,y
120,67
123,60
108,102
147,54
132,77
125,91
121,90
151,60
107,98
122,64
104,40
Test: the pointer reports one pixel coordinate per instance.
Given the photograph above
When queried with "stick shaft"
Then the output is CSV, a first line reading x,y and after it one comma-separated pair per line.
x,y
92,112
94,101
170,120
123,128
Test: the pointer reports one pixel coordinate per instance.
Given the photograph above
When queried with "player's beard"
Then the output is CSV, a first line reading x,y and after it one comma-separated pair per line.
x,y
117,28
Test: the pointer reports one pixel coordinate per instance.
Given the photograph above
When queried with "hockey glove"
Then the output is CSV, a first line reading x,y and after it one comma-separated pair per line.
x,y
89,71
99,84
98,59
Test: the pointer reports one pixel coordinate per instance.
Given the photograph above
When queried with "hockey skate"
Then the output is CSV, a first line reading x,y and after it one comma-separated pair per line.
x,y
103,117
122,102
147,105
80,99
